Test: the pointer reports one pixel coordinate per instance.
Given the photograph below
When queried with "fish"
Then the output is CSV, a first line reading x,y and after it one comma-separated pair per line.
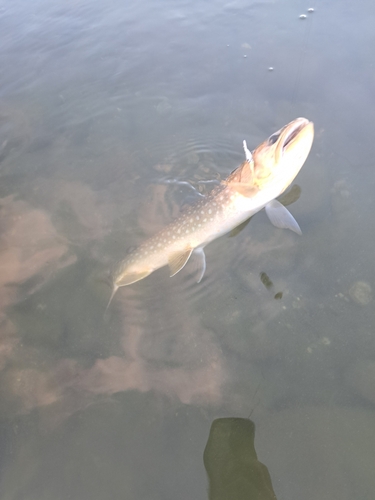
x,y
264,175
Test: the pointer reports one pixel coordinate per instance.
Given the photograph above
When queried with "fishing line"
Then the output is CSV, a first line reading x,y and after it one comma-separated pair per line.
x,y
311,11
255,393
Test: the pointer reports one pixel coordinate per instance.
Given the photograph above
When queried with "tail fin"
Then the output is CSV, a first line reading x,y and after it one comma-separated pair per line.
x,y
114,290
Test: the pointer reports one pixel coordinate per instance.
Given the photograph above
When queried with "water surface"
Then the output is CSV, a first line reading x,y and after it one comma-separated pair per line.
x,y
100,104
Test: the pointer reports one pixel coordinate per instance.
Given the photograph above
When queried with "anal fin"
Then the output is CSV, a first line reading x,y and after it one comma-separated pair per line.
x,y
177,260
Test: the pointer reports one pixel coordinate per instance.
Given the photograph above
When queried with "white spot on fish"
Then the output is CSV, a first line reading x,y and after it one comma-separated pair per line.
x,y
210,211
204,220
197,217
178,231
159,244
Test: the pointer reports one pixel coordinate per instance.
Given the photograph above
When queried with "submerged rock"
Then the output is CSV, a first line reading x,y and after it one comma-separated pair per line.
x,y
361,293
30,249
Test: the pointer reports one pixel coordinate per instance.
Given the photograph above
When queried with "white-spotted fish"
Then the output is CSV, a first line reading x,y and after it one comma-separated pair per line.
x,y
254,185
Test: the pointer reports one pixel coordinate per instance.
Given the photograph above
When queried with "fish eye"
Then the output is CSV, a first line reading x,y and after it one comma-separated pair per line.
x,y
273,138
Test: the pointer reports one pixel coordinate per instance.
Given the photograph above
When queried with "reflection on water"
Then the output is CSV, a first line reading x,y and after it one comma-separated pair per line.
x,y
99,105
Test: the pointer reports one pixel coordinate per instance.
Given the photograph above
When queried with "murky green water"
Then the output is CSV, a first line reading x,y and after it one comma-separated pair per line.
x,y
100,103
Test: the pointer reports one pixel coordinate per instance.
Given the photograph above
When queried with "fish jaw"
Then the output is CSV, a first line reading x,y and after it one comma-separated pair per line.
x,y
278,160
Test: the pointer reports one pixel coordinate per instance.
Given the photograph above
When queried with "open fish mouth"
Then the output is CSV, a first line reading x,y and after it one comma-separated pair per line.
x,y
291,136
288,136
292,132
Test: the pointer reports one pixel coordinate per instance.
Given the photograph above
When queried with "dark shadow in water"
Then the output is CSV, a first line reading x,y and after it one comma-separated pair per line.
x,y
231,462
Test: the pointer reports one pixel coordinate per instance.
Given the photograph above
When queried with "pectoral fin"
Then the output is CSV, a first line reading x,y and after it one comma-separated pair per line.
x,y
200,263
290,196
281,217
177,260
239,228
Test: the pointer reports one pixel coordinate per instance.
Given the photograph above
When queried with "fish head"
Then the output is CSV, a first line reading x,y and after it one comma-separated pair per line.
x,y
277,161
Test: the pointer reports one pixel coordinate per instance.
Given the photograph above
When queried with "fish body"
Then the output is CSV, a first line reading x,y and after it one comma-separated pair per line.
x,y
254,185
